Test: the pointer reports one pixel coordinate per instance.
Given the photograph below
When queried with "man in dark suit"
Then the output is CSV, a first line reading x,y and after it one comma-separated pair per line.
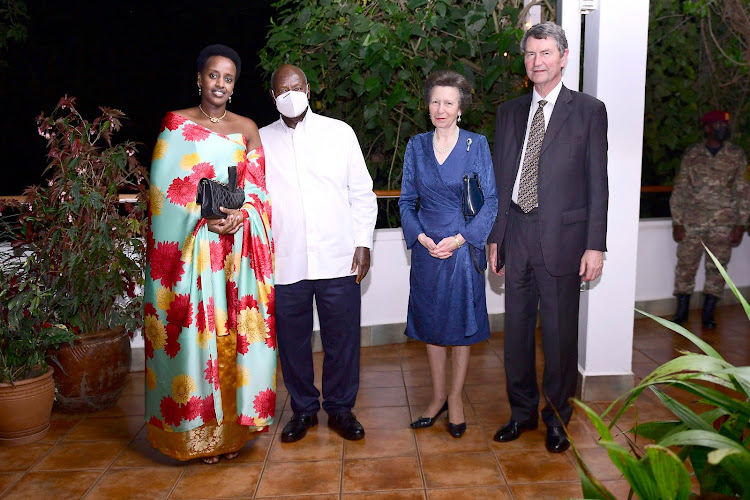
x,y
551,171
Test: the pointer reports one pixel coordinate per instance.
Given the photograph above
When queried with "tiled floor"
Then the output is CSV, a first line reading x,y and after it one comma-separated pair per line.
x,y
106,455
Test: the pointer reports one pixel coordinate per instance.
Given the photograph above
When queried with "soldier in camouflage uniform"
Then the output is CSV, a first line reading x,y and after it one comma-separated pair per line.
x,y
709,204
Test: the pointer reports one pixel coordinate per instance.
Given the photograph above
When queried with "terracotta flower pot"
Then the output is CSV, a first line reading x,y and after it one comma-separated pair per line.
x,y
91,375
25,409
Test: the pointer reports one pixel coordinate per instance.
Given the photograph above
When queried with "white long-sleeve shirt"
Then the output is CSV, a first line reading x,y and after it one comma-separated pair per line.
x,y
323,206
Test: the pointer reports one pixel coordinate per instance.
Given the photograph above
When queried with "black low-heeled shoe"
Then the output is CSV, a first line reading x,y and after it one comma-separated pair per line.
x,y
423,422
457,430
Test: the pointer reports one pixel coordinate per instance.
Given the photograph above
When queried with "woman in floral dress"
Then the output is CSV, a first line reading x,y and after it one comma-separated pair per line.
x,y
209,293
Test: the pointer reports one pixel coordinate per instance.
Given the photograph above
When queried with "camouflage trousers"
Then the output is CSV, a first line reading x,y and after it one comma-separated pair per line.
x,y
689,252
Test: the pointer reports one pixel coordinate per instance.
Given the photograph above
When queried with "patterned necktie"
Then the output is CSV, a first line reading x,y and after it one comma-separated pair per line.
x,y
527,194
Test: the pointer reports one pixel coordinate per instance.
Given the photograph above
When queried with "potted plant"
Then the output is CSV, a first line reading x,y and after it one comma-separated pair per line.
x,y
27,332
716,442
91,248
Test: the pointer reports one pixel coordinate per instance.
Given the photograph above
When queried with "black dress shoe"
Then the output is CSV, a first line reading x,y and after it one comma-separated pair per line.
x,y
345,423
457,430
423,422
557,441
512,430
297,427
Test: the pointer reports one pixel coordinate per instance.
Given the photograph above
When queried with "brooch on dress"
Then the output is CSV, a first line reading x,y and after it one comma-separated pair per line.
x,y
468,144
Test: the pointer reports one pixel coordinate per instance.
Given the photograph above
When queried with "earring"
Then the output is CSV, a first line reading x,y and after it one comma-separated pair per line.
x,y
230,98
459,119
200,90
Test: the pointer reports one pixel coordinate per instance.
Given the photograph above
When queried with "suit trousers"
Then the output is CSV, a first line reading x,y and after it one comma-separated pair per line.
x,y
528,287
338,301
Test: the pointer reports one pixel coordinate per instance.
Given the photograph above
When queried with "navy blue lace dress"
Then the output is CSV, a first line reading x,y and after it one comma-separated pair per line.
x,y
447,303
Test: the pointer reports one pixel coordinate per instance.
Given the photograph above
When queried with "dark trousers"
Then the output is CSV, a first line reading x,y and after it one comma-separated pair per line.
x,y
528,285
338,302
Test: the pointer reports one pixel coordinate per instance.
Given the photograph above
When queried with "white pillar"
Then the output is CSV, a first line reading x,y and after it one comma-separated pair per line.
x,y
614,70
569,17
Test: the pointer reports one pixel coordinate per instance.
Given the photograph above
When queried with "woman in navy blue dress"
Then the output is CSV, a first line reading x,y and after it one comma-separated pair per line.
x,y
447,304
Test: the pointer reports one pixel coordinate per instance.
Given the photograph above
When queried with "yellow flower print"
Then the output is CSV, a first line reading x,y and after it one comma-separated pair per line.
x,y
203,337
192,207
160,149
187,162
156,199
220,318
203,261
150,379
187,249
243,376
261,422
155,332
238,155
164,297
250,323
230,264
182,387
264,290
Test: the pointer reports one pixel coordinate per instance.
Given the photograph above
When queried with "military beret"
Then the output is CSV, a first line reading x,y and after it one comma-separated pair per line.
x,y
715,116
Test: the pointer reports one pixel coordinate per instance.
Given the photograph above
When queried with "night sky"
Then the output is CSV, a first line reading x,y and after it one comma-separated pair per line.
x,y
136,56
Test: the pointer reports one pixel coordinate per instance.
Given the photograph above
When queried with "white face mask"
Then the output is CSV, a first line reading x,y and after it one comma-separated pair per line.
x,y
292,104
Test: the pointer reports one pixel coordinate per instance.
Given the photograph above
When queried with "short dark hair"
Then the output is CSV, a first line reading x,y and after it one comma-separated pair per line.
x,y
447,78
547,29
218,50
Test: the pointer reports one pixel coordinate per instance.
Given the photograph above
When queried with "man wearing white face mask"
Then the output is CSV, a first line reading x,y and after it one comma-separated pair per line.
x,y
323,218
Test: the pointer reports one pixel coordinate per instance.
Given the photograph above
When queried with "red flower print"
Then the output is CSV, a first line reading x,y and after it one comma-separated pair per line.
x,y
217,255
201,170
271,338
172,121
166,264
172,347
171,412
199,283
156,423
200,317
149,309
212,372
242,344
148,347
210,315
193,132
207,408
247,302
192,409
264,403
261,258
180,311
233,303
246,420
183,190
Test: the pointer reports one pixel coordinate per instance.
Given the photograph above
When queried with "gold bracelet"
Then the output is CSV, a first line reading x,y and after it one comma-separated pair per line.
x,y
458,243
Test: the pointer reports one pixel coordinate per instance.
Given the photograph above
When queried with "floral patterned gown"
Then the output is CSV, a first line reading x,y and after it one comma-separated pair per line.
x,y
210,333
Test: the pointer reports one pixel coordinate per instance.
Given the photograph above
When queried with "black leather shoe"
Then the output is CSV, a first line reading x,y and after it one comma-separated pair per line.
x,y
457,430
512,430
557,441
423,422
297,427
345,423
707,316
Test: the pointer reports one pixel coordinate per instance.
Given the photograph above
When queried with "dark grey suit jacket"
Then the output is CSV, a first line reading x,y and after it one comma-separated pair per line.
x,y
572,182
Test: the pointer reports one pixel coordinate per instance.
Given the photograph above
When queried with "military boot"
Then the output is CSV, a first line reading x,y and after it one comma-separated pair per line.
x,y
709,304
683,305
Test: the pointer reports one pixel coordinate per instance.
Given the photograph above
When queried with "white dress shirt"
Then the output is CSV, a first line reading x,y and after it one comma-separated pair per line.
x,y
547,109
323,206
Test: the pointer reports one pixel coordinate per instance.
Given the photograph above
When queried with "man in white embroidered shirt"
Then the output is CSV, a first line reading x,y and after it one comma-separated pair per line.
x,y
323,218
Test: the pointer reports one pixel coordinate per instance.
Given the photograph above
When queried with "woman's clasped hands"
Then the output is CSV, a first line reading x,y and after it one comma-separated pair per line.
x,y
230,225
445,248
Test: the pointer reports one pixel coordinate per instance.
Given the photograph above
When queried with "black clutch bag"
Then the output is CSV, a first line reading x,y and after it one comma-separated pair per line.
x,y
472,198
213,194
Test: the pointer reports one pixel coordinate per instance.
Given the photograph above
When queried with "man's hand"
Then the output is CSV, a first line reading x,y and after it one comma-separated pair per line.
x,y
592,263
492,260
230,225
361,262
736,236
678,232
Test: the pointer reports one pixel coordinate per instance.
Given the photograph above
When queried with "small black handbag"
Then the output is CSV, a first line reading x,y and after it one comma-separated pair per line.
x,y
213,194
472,200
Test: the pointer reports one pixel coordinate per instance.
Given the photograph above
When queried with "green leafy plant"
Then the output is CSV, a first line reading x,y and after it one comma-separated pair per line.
x,y
84,250
716,442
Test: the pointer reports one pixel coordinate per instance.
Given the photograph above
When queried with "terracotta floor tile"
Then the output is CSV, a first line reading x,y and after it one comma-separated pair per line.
x,y
380,396
529,440
461,469
151,483
379,364
377,474
415,363
485,493
597,460
300,478
493,376
436,440
547,491
619,488
535,466
420,377
106,428
58,429
81,455
382,443
316,445
140,453
386,417
485,393
136,385
206,481
391,350
493,414
368,379
126,405
411,349
8,479
22,458
330,496
485,360
56,484
387,495
256,450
